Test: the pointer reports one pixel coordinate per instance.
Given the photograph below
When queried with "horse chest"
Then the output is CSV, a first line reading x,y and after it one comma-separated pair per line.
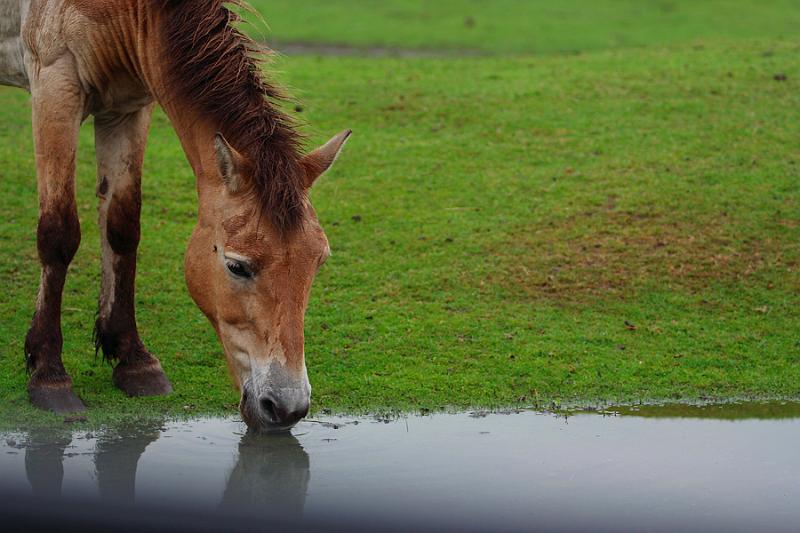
x,y
120,94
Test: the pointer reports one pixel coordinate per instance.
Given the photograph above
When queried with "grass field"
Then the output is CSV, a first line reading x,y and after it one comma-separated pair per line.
x,y
619,225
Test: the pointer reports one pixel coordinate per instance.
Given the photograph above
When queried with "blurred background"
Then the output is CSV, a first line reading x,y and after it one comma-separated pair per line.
x,y
522,26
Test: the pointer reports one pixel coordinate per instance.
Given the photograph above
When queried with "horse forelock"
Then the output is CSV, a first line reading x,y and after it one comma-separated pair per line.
x,y
216,69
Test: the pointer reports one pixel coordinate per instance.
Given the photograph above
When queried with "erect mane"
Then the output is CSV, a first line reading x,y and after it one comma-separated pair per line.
x,y
216,68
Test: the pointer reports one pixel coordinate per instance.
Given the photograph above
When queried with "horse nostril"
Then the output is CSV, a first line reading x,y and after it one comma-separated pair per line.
x,y
268,406
301,413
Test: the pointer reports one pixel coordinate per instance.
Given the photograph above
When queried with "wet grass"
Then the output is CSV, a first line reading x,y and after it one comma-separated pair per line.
x,y
615,226
722,411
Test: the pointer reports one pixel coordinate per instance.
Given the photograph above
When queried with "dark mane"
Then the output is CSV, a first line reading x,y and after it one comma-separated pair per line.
x,y
218,68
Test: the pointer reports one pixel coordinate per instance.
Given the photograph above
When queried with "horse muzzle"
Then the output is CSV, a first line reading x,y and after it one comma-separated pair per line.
x,y
274,399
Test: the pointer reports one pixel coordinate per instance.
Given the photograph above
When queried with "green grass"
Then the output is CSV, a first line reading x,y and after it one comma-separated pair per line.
x,y
525,25
615,226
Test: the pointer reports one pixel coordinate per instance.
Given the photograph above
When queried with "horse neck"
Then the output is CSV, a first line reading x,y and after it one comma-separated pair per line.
x,y
194,130
196,135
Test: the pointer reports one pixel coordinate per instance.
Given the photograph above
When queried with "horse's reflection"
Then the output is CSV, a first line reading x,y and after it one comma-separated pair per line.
x,y
271,471
117,455
44,461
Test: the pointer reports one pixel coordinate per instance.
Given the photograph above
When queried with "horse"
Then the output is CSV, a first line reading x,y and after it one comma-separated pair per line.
x,y
257,244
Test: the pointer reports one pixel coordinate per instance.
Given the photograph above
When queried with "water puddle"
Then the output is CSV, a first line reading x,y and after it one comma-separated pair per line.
x,y
732,468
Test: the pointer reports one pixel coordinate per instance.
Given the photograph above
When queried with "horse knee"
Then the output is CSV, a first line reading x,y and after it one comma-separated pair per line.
x,y
58,236
122,222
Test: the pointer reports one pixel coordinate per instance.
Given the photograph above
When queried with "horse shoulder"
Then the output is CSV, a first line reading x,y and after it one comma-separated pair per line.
x,y
92,33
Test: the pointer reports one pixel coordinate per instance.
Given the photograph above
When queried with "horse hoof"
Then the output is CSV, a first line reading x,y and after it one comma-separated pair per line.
x,y
141,379
55,397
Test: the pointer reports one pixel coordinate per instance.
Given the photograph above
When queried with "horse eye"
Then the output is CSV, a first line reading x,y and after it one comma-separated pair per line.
x,y
238,269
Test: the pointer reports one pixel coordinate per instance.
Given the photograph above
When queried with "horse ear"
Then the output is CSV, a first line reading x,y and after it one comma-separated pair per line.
x,y
320,160
229,162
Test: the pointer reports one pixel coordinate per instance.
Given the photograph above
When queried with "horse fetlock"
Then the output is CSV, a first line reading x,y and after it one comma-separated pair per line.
x,y
120,343
143,377
53,376
43,347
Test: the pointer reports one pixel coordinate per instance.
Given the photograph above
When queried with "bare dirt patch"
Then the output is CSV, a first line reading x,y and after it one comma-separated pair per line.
x,y
608,252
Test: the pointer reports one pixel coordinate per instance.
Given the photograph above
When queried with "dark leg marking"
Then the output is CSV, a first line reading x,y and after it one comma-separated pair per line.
x,y
49,386
120,151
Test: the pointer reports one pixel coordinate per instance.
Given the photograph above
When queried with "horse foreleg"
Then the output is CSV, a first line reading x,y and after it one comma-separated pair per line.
x,y
120,143
57,103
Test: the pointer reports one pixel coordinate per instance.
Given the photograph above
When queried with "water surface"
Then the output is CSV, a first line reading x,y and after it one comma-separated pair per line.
x,y
696,469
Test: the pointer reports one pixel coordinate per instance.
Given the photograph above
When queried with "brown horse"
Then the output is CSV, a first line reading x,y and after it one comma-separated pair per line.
x,y
257,244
